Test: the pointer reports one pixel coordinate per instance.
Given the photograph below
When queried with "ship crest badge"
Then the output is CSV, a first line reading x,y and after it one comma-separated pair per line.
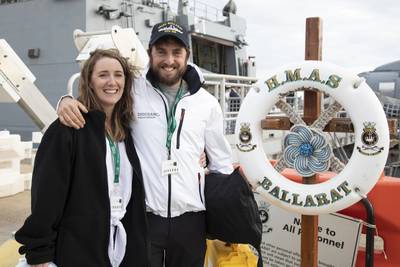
x,y
264,210
369,138
245,137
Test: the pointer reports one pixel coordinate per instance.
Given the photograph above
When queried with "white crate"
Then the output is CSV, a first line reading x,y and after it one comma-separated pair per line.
x,y
12,151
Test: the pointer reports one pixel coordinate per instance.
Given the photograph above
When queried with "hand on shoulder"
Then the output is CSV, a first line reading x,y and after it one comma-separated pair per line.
x,y
70,112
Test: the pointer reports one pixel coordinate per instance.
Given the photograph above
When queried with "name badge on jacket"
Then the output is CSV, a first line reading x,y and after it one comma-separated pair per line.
x,y
116,203
169,167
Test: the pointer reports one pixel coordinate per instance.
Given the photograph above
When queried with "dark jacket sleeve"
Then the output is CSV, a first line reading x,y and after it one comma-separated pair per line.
x,y
50,185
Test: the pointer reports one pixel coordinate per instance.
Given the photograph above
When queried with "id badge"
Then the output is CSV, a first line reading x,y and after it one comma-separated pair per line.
x,y
116,201
169,167
116,204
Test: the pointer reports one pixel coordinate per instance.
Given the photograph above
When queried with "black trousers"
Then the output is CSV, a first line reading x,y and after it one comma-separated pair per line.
x,y
179,241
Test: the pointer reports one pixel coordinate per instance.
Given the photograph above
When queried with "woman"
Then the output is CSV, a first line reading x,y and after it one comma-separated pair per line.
x,y
88,205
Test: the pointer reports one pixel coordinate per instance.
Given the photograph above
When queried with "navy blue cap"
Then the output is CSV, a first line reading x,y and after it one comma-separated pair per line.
x,y
169,28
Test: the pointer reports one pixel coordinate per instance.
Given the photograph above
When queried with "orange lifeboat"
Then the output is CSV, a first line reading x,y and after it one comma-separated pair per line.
x,y
386,206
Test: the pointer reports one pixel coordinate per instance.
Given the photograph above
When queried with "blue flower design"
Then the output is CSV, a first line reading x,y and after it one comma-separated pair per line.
x,y
306,150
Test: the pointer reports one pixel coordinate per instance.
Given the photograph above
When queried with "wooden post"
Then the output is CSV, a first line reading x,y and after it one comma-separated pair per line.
x,y
312,109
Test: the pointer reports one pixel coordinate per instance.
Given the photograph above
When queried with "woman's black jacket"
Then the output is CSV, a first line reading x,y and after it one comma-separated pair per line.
x,y
70,220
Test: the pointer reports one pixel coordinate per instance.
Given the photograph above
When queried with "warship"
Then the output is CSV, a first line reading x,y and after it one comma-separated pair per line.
x,y
41,34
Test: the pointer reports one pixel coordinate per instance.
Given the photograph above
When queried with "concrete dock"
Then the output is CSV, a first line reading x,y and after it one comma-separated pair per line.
x,y
13,212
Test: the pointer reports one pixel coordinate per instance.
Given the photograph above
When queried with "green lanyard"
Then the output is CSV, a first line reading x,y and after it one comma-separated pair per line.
x,y
116,158
171,116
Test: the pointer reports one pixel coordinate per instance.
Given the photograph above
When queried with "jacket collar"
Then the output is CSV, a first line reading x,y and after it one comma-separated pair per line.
x,y
98,118
192,76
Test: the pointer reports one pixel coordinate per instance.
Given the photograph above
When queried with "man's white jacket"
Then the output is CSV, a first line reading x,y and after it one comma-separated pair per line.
x,y
199,128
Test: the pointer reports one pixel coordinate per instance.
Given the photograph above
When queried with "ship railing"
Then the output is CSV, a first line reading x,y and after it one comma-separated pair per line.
x,y
198,8
229,90
205,11
391,110
393,169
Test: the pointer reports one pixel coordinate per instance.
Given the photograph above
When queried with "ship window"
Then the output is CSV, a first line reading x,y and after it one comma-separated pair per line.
x,y
5,2
386,87
208,55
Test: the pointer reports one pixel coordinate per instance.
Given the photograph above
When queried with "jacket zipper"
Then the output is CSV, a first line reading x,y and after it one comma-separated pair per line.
x,y
169,196
169,154
169,157
178,135
199,177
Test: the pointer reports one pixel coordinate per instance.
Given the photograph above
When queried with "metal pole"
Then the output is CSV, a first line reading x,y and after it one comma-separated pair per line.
x,y
369,250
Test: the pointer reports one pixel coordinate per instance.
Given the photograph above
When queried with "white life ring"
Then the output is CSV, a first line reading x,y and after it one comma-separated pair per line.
x,y
369,155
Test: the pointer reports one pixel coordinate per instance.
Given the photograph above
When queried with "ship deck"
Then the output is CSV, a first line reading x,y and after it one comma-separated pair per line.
x,y
14,210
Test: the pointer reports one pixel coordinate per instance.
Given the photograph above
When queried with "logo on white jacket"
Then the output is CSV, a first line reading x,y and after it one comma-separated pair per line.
x,y
148,115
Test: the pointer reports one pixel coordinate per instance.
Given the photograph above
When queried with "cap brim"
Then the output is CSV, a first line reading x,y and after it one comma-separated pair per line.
x,y
155,40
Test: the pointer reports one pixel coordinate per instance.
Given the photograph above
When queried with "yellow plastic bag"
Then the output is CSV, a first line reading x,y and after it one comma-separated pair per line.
x,y
220,254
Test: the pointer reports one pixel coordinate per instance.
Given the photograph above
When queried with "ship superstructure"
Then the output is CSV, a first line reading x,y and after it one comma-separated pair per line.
x,y
40,32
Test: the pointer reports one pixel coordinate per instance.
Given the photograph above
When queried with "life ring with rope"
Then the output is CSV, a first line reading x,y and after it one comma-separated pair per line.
x,y
307,148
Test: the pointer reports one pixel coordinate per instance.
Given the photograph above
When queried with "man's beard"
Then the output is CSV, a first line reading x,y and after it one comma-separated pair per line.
x,y
164,80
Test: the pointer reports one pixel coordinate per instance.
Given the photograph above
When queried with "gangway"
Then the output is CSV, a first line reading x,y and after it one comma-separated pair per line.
x,y
17,86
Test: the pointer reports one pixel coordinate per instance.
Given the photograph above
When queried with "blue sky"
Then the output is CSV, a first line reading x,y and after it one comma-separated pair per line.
x,y
357,34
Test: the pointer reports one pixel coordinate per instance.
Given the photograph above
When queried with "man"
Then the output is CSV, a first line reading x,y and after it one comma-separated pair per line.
x,y
176,120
